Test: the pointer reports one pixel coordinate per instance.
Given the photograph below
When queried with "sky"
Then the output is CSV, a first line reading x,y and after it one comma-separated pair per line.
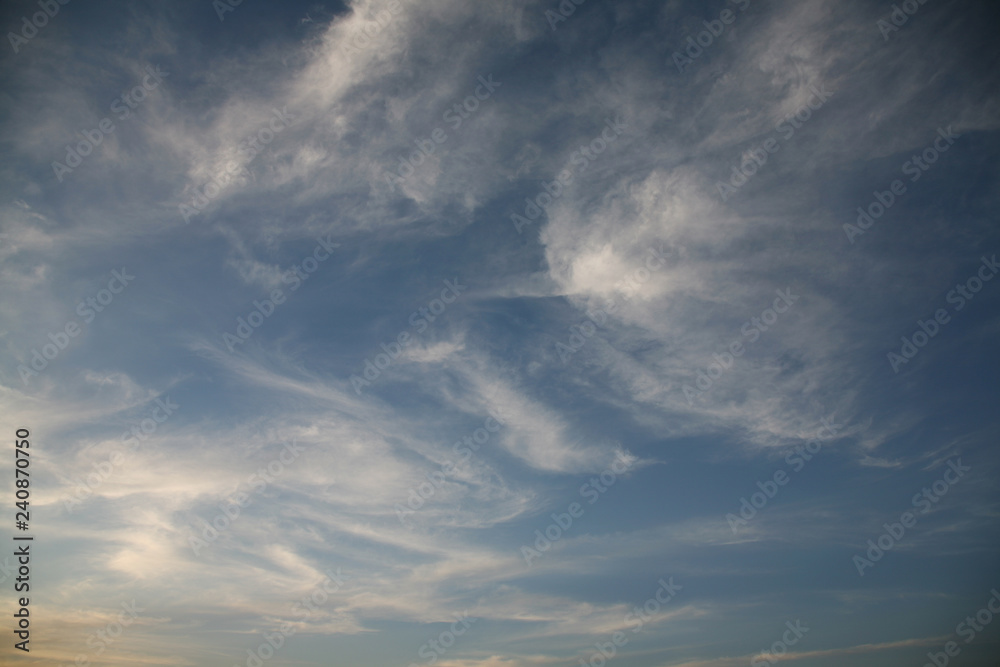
x,y
501,334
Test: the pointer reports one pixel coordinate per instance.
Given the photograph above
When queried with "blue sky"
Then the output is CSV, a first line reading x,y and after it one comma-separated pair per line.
x,y
527,314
